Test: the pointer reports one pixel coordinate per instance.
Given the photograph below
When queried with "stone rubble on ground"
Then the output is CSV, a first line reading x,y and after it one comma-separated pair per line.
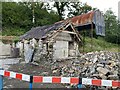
x,y
96,65
100,65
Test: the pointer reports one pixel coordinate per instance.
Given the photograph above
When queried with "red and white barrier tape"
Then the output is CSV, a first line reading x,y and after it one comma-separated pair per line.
x,y
11,74
97,82
41,79
75,80
53,79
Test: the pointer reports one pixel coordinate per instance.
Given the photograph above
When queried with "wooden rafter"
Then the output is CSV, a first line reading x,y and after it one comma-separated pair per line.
x,y
78,36
63,29
58,31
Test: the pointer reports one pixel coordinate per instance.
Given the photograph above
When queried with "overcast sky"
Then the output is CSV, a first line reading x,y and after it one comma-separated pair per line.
x,y
104,5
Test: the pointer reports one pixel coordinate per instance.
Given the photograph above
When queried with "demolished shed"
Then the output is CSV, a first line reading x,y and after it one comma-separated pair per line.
x,y
62,39
56,41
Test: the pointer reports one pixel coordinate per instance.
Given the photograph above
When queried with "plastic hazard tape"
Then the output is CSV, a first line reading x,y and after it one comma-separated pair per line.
x,y
11,74
41,79
54,79
97,82
76,80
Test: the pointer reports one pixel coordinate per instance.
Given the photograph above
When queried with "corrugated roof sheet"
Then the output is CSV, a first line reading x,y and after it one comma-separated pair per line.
x,y
92,17
82,19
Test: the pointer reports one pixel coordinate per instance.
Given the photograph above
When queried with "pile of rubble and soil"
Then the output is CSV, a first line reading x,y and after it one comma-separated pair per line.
x,y
97,65
101,65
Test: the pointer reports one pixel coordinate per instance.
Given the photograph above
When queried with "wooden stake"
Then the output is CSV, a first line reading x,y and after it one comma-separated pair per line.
x,y
92,36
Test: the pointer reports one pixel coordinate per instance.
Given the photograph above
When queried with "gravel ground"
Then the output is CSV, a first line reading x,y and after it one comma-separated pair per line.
x,y
42,69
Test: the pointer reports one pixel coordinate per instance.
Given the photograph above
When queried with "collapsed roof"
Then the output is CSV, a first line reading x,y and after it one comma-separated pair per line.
x,y
41,31
81,22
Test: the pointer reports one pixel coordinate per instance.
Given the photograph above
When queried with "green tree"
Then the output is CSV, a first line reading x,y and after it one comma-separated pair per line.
x,y
71,8
112,30
78,8
17,18
60,6
43,17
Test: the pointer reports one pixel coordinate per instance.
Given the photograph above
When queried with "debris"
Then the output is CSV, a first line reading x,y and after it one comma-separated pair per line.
x,y
113,77
96,65
55,71
99,65
34,63
102,70
44,73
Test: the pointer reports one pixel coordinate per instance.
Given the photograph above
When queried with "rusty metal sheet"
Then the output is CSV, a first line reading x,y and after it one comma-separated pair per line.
x,y
92,17
83,19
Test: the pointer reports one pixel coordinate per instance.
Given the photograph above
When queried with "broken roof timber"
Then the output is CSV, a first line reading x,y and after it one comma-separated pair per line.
x,y
63,30
69,32
77,34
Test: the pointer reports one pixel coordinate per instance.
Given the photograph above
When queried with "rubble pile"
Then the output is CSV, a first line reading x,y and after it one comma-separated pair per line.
x,y
39,54
99,65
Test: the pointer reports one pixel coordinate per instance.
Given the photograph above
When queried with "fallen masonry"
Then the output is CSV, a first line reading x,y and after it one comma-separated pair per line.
x,y
98,65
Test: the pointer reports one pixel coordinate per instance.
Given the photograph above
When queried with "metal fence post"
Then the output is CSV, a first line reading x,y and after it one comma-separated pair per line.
x,y
31,82
30,86
80,83
1,81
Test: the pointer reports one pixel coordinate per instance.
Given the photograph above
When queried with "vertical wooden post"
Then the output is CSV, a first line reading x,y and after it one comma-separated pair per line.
x,y
92,36
84,41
